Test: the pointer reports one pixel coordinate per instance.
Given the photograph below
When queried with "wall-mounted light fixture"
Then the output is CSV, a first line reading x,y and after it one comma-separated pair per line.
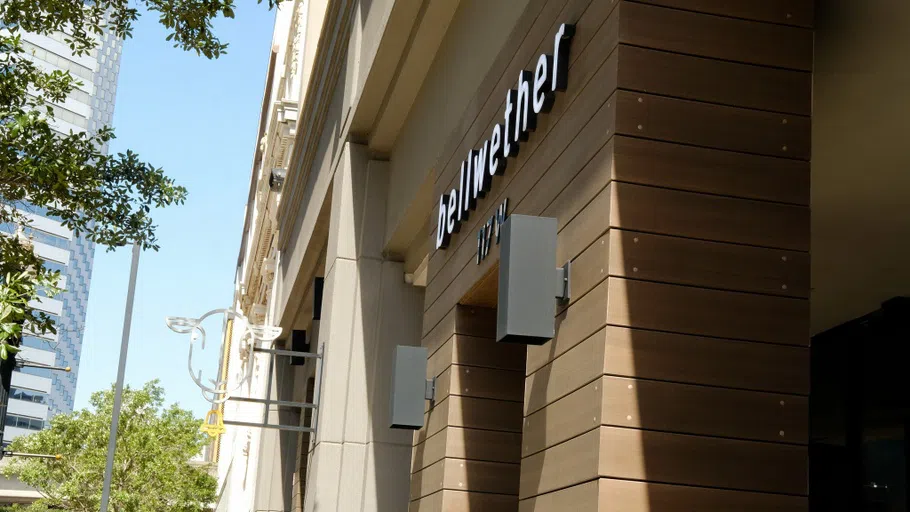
x,y
410,387
529,286
276,179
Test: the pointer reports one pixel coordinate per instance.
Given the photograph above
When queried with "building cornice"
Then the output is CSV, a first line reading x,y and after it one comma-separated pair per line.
x,y
330,52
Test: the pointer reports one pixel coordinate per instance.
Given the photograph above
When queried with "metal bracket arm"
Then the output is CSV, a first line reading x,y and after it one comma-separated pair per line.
x,y
291,428
430,390
279,403
290,353
562,282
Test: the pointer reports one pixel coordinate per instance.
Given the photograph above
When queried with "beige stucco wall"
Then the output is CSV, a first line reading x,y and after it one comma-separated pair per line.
x,y
861,158
477,32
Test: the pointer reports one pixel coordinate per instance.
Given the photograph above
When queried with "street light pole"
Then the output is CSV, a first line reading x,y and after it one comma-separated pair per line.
x,y
118,389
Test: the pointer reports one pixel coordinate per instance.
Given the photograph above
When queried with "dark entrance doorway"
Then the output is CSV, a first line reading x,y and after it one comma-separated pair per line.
x,y
860,398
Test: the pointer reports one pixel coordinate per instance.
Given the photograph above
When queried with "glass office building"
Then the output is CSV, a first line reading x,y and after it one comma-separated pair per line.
x,y
39,394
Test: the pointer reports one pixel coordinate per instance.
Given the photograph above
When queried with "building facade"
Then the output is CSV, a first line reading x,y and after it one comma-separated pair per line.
x,y
689,154
38,394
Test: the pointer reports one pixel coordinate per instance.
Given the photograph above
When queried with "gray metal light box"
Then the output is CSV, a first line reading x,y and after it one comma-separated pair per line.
x,y
409,387
526,308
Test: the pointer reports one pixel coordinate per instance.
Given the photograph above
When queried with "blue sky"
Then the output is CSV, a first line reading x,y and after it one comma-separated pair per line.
x,y
197,119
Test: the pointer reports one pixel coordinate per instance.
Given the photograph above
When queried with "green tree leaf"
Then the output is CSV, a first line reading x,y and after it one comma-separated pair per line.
x,y
152,467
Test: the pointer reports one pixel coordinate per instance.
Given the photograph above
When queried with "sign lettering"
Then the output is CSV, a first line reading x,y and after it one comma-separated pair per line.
x,y
534,95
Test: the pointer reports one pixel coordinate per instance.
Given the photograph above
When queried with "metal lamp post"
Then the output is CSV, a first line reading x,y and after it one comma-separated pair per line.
x,y
118,389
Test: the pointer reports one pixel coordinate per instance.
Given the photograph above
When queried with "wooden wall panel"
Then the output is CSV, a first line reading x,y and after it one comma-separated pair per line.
x,y
783,12
708,264
690,310
611,495
725,173
564,419
707,217
570,463
480,476
595,37
632,454
580,497
428,480
713,126
716,36
561,148
592,73
563,375
677,166
431,503
476,351
701,410
455,501
709,361
471,439
630,496
429,452
715,81
463,443
477,382
573,326
486,445
589,269
469,321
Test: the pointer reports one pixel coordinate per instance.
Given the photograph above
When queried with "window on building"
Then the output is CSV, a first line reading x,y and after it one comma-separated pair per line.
x,y
53,265
57,60
27,395
13,420
35,342
37,235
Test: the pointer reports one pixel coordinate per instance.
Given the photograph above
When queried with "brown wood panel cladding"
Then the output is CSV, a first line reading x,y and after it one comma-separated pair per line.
x,y
486,292
573,325
709,361
685,358
704,461
677,165
582,497
431,503
466,443
630,496
701,410
708,264
705,217
651,162
465,475
572,462
474,351
476,382
689,310
582,364
785,12
589,269
715,81
572,142
484,414
467,320
715,36
428,481
667,407
590,27
585,228
481,476
592,76
713,126
564,419
611,495
456,501
429,452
